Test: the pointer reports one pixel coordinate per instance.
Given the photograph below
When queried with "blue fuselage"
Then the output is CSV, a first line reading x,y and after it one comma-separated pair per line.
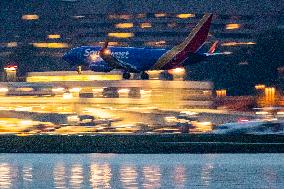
x,y
140,59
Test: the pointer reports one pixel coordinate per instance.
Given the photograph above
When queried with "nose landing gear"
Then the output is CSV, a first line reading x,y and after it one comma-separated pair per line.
x,y
144,76
79,69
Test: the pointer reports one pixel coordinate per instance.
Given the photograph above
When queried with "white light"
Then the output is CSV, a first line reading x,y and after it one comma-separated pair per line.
x,y
261,113
24,109
26,122
60,89
67,96
123,90
73,118
4,90
75,90
98,90
189,113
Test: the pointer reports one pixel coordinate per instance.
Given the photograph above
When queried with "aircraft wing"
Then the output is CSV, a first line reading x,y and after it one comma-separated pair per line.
x,y
118,64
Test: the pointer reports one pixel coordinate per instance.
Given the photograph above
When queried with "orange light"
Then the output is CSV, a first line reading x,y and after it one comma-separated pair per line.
x,y
121,35
12,44
184,16
145,25
141,15
54,36
155,43
124,25
122,16
221,93
159,15
259,86
106,52
50,45
237,43
232,26
30,17
11,68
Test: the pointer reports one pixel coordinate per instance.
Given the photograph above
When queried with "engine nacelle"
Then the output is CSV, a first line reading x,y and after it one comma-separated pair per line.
x,y
100,67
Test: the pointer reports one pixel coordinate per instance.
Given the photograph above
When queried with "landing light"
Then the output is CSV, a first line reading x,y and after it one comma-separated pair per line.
x,y
94,56
106,52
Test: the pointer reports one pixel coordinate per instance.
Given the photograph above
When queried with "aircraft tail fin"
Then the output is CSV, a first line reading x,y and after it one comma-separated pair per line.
x,y
191,44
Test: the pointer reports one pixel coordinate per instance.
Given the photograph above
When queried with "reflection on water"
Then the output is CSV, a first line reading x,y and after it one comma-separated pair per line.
x,y
152,177
141,171
128,176
5,175
59,175
100,175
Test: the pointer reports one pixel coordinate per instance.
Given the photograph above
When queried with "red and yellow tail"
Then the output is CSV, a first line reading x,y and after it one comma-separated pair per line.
x,y
174,57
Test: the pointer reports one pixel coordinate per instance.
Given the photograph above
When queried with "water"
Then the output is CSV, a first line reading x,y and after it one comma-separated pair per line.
x,y
141,171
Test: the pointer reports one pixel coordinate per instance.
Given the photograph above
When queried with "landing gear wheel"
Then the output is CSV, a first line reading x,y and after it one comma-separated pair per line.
x,y
126,75
144,76
79,69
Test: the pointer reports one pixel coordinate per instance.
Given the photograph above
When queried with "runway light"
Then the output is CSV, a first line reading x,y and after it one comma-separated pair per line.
x,y
121,35
184,16
232,26
124,25
30,17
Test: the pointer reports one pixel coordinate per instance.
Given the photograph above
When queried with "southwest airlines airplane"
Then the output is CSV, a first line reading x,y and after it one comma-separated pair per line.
x,y
140,60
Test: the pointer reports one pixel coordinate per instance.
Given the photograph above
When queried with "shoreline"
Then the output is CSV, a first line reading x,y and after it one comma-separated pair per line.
x,y
144,144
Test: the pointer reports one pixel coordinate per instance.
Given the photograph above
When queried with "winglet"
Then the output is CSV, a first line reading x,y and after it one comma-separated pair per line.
x,y
213,47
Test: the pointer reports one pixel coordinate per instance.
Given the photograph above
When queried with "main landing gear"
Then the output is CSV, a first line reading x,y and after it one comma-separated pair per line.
x,y
143,75
126,75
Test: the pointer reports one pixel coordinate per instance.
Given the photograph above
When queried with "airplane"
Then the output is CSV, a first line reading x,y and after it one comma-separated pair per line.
x,y
141,60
